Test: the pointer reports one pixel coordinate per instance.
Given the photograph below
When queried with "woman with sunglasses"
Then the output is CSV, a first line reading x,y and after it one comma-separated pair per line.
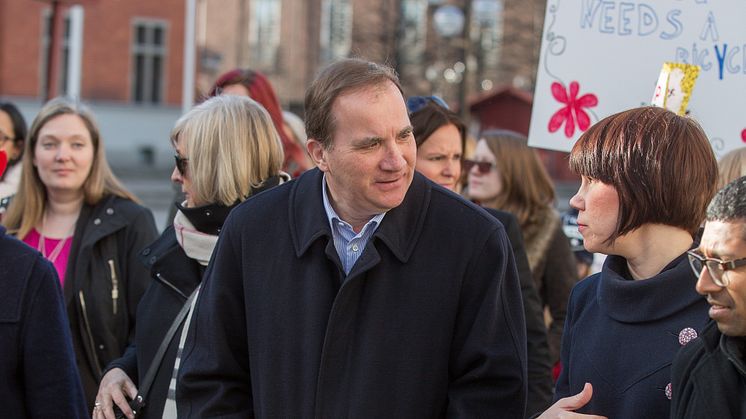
x,y
226,150
506,174
73,210
440,137
647,177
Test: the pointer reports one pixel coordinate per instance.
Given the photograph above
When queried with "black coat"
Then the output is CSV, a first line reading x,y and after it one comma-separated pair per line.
x,y
705,383
540,383
428,323
104,283
174,277
38,376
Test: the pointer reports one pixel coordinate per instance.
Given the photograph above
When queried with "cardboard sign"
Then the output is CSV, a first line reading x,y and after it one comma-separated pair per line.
x,y
599,57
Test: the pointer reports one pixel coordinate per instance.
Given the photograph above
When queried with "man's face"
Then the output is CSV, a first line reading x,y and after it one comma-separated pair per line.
x,y
725,241
370,163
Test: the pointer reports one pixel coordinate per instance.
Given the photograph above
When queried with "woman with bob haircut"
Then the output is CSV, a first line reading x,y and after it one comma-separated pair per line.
x,y
440,137
72,208
647,177
227,150
254,84
506,174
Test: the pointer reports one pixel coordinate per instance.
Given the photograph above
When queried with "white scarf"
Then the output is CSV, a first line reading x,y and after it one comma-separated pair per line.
x,y
196,245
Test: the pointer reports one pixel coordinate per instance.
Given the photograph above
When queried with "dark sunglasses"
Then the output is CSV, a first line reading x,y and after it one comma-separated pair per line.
x,y
416,103
181,164
483,167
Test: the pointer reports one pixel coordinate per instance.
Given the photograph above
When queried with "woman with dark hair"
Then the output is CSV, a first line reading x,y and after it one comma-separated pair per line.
x,y
255,85
72,208
12,135
238,133
507,174
647,177
440,137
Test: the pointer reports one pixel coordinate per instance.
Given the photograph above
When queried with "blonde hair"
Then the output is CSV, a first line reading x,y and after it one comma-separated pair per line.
x,y
526,187
232,146
27,207
732,166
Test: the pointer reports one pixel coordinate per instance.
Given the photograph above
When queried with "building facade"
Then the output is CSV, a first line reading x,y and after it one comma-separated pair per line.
x,y
123,58
289,40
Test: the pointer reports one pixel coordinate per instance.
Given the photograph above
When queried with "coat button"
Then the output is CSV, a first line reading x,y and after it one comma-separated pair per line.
x,y
101,347
110,211
146,251
208,213
97,221
687,335
152,259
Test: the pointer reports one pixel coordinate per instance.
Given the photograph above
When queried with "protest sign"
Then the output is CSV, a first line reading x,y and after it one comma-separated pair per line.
x,y
599,57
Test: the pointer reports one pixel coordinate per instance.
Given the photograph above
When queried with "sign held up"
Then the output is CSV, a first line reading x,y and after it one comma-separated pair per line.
x,y
599,57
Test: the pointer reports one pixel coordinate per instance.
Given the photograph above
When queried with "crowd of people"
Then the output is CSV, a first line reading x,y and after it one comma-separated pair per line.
x,y
413,272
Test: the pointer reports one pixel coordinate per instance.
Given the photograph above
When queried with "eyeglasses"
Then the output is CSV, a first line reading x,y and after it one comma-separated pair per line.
x,y
416,103
181,164
483,167
4,137
715,267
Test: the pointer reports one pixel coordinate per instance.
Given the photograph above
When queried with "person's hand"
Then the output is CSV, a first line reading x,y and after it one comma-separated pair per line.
x,y
116,387
565,408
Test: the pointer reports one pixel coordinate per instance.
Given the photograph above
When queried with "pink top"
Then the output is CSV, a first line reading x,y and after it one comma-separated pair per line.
x,y
60,264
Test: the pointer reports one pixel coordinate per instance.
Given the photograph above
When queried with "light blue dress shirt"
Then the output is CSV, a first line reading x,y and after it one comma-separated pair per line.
x,y
349,245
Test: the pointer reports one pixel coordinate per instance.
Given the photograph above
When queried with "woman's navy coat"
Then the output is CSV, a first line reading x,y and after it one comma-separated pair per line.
x,y
429,322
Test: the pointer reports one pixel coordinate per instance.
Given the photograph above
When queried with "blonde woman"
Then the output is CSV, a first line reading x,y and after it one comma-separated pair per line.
x,y
507,175
226,150
76,213
732,166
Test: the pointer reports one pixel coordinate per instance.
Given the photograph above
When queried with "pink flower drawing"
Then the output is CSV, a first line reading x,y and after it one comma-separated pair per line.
x,y
573,109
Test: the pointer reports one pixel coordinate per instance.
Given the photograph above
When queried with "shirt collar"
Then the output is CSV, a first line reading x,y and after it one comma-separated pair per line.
x,y
334,218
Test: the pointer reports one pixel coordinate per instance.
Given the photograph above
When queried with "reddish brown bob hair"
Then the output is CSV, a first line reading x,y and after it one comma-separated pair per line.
x,y
660,163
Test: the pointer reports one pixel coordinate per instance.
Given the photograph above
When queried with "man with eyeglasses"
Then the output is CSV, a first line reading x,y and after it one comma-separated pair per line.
x,y
709,374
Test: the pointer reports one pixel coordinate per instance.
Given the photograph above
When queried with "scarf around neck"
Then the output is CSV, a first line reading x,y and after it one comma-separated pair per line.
x,y
196,244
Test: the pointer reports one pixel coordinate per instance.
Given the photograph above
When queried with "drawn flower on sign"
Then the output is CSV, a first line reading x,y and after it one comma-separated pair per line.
x,y
572,112
743,135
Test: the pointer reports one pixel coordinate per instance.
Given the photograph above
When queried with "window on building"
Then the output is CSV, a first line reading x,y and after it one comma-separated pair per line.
x,y
414,31
336,29
148,61
264,33
62,76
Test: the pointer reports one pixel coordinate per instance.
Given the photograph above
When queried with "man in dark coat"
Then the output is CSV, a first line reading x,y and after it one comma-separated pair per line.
x,y
360,289
709,374
38,374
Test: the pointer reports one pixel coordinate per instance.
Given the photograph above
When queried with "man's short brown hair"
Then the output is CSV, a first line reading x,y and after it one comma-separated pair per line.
x,y
660,163
340,77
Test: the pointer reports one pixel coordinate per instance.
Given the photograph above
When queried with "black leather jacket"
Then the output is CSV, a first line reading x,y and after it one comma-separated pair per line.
x,y
104,282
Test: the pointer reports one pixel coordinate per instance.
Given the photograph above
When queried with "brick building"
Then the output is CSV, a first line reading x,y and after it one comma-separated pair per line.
x,y
122,57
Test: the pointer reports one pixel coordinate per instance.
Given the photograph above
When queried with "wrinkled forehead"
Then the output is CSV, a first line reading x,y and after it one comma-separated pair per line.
x,y
724,239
